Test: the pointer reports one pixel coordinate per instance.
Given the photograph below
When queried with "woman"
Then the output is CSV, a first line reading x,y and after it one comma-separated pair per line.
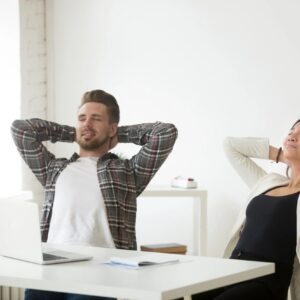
x,y
269,227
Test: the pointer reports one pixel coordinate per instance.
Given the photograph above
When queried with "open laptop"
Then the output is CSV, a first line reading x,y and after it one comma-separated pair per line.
x,y
20,235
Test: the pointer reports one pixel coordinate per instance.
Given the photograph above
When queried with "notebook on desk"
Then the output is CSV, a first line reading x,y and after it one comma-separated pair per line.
x,y
20,236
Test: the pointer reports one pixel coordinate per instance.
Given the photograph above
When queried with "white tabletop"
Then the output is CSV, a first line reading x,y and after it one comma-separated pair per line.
x,y
193,274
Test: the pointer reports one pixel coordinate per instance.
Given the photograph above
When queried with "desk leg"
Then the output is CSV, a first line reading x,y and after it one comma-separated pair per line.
x,y
200,225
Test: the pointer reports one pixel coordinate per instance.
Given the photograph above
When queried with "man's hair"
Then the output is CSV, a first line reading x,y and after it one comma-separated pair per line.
x,y
107,99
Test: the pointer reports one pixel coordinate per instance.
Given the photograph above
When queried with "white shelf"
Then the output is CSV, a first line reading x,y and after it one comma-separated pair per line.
x,y
200,210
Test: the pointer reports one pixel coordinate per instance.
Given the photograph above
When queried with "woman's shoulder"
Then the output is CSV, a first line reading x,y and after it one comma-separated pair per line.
x,y
271,180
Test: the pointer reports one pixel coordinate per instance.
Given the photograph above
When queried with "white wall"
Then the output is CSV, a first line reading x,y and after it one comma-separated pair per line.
x,y
214,68
10,94
33,74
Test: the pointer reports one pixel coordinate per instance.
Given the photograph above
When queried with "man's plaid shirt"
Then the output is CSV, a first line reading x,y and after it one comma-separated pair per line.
x,y
120,180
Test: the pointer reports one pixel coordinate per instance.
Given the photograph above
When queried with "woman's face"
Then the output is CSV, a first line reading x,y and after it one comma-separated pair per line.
x,y
291,144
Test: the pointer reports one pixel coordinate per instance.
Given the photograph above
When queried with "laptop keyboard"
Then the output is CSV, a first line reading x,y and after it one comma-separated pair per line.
x,y
47,257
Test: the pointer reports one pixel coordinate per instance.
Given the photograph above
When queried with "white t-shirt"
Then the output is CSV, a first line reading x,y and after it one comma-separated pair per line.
x,y
79,215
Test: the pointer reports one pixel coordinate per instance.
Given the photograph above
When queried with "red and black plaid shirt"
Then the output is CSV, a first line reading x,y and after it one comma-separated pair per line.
x,y
120,180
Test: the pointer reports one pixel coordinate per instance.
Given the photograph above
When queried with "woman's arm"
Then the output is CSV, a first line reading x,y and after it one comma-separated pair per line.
x,y
239,152
276,154
273,153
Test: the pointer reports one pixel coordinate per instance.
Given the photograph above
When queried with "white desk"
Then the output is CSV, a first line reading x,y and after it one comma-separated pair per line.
x,y
195,275
200,210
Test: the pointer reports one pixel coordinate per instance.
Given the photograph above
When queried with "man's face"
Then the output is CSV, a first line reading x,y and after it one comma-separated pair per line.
x,y
93,129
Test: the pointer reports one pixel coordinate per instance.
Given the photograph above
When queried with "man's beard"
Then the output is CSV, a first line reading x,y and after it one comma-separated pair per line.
x,y
92,144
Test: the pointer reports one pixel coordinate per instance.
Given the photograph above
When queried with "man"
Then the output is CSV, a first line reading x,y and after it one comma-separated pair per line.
x,y
90,199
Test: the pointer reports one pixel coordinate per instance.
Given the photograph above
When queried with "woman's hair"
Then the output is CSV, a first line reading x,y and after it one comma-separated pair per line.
x,y
107,99
295,123
288,167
